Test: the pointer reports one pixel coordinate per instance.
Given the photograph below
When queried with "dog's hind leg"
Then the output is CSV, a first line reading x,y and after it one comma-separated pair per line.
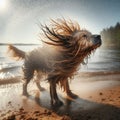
x,y
26,81
68,91
28,74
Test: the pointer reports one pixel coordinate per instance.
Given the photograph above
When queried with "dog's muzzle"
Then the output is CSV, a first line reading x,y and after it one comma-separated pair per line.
x,y
96,39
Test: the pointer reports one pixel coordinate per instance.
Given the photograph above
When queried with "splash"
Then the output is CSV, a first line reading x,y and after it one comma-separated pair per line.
x,y
6,75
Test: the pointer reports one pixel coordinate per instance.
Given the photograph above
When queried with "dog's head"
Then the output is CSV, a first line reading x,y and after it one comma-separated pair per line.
x,y
85,40
68,36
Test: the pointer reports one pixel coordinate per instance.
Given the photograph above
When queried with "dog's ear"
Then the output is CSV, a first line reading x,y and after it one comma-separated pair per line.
x,y
74,38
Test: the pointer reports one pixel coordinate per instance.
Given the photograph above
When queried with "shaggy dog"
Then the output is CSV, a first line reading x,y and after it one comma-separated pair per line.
x,y
65,49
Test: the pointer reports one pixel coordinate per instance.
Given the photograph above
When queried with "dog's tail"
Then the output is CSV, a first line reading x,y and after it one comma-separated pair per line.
x,y
15,52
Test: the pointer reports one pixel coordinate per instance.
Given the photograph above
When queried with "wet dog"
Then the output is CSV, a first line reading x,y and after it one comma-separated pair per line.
x,y
66,47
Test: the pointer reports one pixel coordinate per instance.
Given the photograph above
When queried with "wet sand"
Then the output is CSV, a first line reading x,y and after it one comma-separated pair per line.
x,y
98,99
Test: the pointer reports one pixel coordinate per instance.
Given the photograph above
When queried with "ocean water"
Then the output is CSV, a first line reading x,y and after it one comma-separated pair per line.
x,y
101,60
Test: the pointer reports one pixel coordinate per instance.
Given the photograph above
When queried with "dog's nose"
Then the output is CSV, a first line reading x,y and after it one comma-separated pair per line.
x,y
96,39
98,36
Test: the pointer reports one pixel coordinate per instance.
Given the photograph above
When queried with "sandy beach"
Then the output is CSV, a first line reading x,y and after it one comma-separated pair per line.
x,y
98,99
59,39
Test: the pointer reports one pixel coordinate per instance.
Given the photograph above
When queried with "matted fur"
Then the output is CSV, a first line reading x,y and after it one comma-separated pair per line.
x,y
66,48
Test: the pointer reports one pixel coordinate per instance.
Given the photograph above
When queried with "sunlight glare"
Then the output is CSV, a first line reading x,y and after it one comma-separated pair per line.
x,y
3,5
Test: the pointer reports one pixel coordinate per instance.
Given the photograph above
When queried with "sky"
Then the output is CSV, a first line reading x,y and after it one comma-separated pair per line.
x,y
19,19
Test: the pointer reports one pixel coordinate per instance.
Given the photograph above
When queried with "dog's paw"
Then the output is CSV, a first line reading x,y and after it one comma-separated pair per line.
x,y
72,95
57,103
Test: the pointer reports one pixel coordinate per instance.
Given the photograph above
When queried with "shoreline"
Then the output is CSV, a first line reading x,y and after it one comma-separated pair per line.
x,y
17,79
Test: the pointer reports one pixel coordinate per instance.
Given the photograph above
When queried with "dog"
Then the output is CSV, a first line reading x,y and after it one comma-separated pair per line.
x,y
66,46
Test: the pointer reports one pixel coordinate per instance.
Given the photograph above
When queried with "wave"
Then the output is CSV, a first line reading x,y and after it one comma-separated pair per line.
x,y
11,80
9,73
6,69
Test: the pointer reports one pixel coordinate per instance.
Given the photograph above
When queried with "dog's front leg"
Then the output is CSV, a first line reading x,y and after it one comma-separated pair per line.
x,y
38,77
68,91
54,98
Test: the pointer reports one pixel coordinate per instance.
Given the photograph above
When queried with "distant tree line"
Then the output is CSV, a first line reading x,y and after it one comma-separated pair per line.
x,y
111,36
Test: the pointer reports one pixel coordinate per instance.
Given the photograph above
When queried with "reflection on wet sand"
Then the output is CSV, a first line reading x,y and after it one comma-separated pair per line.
x,y
99,98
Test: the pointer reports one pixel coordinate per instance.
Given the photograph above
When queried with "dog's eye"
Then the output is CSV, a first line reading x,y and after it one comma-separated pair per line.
x,y
85,36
